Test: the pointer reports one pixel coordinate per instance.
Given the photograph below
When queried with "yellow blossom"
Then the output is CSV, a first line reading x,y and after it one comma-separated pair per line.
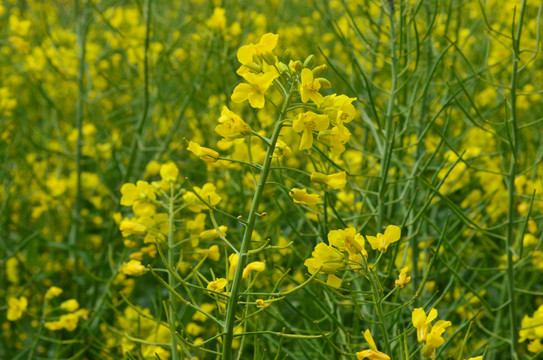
x,y
333,281
434,339
300,196
372,353
256,88
309,88
381,242
231,125
347,239
212,233
403,278
266,44
309,122
53,292
217,285
421,322
254,266
70,305
325,257
132,268
16,308
169,172
336,181
133,193
208,192
206,154
233,260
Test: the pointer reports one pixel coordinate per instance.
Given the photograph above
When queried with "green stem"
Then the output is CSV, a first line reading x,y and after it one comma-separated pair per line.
x,y
389,134
247,235
510,274
172,281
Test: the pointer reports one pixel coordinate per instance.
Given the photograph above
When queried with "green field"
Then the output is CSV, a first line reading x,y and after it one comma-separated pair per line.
x,y
271,179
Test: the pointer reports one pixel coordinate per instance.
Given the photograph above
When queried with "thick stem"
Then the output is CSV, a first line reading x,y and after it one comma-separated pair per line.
x,y
247,235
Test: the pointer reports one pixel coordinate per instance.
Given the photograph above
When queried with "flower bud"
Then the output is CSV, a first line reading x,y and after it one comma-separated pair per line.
x,y
319,70
269,58
325,84
309,61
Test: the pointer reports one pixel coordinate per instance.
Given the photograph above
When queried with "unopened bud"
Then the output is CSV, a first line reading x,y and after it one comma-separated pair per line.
x,y
319,70
295,66
269,58
286,56
309,61
325,84
282,67
254,67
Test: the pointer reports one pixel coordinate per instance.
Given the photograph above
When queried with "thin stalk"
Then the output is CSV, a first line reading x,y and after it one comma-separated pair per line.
x,y
172,281
389,133
232,304
510,274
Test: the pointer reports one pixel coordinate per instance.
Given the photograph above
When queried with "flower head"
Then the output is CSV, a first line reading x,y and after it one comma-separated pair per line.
x,y
381,242
347,239
300,196
307,123
16,308
255,90
325,257
336,181
403,278
231,125
422,322
206,154
309,88
372,353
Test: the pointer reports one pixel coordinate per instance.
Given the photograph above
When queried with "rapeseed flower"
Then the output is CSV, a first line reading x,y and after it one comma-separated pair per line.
x,y
372,353
255,90
325,257
16,308
347,239
403,279
231,125
336,181
309,88
307,123
206,154
381,242
300,196
422,322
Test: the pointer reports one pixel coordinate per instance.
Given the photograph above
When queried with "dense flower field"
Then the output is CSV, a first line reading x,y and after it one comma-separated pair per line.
x,y
271,179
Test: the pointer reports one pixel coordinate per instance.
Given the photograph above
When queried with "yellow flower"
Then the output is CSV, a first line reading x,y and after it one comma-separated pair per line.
x,y
70,305
381,242
206,154
325,257
134,193
254,266
212,253
335,139
16,308
372,353
281,149
308,122
132,268
336,181
69,321
217,285
53,292
218,19
309,88
434,339
333,281
256,88
233,260
231,125
403,278
169,172
347,239
212,233
266,45
300,196
208,192
421,322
